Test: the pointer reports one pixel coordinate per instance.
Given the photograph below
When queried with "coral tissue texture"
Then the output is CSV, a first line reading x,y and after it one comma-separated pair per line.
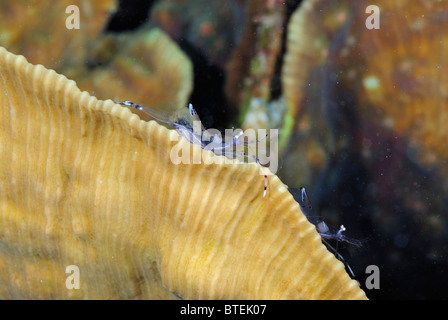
x,y
86,183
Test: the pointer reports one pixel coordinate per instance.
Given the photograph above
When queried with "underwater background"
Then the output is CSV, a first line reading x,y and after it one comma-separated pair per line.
x,y
362,113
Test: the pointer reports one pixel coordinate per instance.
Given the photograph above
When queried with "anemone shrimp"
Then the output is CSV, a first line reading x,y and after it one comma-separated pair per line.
x,y
185,123
325,231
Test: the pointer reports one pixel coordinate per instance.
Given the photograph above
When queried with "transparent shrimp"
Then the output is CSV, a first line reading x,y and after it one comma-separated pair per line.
x,y
326,232
183,120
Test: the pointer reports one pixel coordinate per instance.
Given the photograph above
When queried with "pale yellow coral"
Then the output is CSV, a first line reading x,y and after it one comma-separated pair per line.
x,y
150,69
87,183
37,29
304,52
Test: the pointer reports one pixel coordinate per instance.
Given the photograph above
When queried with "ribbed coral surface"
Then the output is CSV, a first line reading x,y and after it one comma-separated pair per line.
x,y
87,183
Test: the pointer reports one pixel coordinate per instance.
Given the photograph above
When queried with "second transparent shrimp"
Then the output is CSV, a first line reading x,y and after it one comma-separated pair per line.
x,y
326,232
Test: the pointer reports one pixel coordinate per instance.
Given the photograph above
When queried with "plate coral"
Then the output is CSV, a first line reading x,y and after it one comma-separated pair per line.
x,y
86,183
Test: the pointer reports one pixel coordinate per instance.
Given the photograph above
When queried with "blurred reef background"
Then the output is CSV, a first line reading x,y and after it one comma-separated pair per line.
x,y
362,113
